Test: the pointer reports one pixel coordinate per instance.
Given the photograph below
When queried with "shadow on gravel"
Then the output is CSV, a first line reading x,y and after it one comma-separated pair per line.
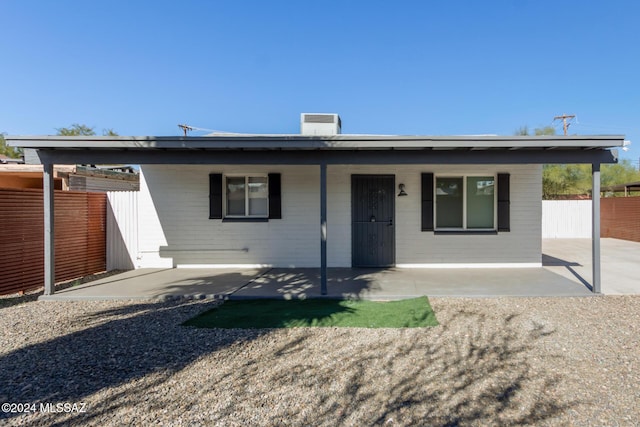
x,y
471,370
480,378
118,346
11,300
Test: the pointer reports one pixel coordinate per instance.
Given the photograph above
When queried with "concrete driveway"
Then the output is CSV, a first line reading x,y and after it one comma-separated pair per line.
x,y
619,263
566,271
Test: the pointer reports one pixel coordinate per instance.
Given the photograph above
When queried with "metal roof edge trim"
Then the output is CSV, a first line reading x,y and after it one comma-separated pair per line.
x,y
314,142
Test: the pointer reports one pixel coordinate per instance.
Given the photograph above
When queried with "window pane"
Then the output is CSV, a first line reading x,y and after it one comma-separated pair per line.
x,y
235,196
449,202
480,201
258,191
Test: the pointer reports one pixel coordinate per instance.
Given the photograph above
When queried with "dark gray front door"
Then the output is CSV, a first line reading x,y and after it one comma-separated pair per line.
x,y
372,216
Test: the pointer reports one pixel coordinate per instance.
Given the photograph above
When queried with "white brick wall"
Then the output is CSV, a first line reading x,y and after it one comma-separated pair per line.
x,y
175,229
521,245
177,225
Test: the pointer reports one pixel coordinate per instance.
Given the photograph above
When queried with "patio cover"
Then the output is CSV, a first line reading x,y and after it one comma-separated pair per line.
x,y
320,151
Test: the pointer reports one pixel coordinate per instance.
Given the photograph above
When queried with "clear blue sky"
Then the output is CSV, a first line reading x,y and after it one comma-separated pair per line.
x,y
387,67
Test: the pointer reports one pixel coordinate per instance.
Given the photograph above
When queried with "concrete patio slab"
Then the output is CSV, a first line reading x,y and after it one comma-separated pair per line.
x,y
566,272
153,283
376,284
393,283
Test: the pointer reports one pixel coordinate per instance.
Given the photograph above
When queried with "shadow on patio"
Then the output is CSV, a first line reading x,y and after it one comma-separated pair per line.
x,y
395,283
172,283
553,262
352,283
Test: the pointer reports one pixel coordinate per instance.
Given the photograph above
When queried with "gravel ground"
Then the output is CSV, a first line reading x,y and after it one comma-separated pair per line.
x,y
504,361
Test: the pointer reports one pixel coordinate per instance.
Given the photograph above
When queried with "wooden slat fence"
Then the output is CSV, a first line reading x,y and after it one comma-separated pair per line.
x,y
620,218
80,233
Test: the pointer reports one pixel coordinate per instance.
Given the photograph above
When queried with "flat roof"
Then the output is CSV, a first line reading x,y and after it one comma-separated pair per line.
x,y
333,149
306,142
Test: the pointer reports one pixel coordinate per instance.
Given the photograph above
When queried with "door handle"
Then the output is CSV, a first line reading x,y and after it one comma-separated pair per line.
x,y
390,222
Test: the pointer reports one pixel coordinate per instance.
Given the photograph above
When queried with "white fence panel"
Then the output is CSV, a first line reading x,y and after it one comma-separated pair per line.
x,y
122,229
563,219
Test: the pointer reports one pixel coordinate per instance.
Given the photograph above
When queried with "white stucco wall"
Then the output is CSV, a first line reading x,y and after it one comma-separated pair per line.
x,y
175,230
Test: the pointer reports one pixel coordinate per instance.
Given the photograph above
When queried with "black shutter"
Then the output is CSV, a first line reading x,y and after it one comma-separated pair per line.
x,y
275,198
503,202
427,202
215,196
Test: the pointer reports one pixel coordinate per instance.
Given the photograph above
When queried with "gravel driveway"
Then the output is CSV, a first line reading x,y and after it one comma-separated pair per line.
x,y
519,361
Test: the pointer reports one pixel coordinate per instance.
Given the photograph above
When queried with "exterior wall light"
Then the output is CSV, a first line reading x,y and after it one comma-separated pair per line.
x,y
402,192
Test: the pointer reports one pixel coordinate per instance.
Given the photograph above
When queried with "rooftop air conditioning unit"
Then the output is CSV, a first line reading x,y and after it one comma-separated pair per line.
x,y
320,124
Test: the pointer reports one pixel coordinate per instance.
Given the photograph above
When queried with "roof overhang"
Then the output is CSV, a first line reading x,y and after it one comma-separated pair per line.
x,y
335,149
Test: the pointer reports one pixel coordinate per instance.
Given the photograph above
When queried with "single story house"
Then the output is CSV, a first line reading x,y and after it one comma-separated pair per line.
x,y
325,199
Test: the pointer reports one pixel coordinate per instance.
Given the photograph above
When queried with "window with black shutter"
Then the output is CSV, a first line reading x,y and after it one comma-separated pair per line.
x,y
465,203
504,202
236,197
427,202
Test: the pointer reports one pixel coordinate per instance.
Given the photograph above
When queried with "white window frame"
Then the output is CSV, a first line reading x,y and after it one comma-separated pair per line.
x,y
464,201
246,177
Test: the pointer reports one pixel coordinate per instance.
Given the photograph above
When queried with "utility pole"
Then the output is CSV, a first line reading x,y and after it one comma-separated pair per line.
x,y
564,118
185,129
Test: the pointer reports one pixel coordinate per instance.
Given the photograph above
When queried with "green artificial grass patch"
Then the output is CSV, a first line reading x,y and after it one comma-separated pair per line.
x,y
271,313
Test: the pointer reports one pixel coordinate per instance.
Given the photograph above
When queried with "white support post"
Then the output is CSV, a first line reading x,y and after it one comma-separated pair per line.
x,y
49,225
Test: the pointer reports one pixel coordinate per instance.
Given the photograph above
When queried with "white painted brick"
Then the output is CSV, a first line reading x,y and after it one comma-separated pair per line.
x,y
174,208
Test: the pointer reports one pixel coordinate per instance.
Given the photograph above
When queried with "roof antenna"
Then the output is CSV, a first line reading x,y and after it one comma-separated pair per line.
x,y
185,129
